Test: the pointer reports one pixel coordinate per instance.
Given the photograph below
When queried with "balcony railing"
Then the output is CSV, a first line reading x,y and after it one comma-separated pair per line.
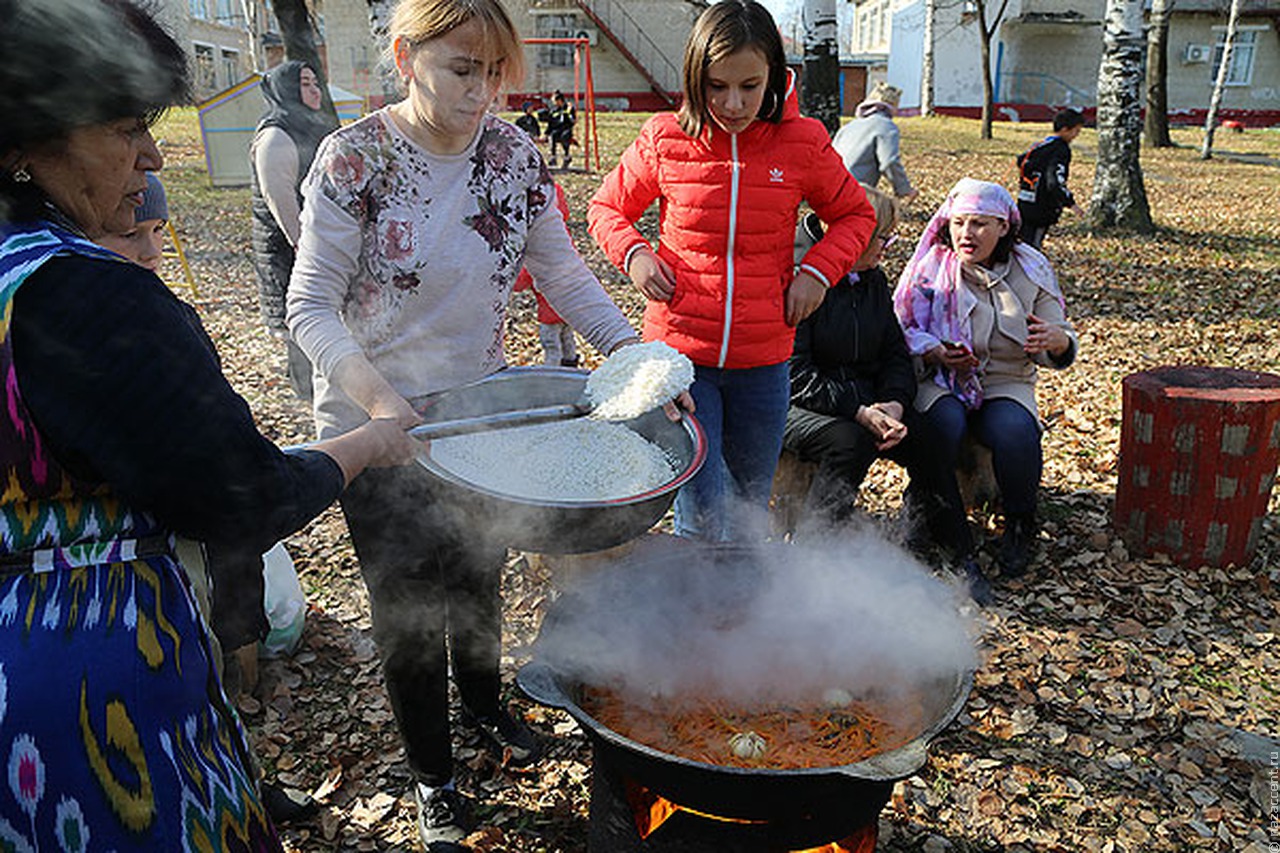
x,y
612,17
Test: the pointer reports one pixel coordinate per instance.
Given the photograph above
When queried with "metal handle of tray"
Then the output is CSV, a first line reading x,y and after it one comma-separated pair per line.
x,y
500,420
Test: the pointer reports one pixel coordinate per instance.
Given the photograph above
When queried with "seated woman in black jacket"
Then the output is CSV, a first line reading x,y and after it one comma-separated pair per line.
x,y
852,380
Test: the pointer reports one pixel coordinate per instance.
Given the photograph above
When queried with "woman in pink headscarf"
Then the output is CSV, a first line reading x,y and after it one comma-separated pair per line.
x,y
981,312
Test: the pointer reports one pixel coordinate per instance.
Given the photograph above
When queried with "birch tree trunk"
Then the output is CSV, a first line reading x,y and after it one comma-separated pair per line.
x,y
1119,197
298,34
926,66
820,91
1206,150
1156,131
379,20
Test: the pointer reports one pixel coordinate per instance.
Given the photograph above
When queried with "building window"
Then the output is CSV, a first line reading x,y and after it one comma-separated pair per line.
x,y
556,27
206,75
227,14
231,66
198,10
1240,72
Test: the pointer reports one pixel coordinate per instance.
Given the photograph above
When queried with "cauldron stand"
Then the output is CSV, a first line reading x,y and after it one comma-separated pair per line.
x,y
612,824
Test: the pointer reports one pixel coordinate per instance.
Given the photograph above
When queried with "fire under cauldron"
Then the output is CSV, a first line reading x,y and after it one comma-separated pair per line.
x,y
722,808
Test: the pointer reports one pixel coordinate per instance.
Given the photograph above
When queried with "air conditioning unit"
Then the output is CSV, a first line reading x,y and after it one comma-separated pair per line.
x,y
1196,53
591,34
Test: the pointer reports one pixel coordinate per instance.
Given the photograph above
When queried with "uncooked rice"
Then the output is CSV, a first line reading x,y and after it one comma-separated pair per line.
x,y
637,379
579,460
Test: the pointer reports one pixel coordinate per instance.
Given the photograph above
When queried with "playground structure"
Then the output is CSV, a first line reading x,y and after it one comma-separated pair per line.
x,y
584,95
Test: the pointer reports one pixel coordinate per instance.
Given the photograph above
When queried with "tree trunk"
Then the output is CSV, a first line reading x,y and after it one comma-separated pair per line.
x,y
379,19
985,32
249,8
1206,150
1119,197
926,68
300,43
1157,120
820,91
988,96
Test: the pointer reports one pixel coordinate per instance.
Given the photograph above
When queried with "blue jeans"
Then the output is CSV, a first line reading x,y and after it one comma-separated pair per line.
x,y
1013,435
743,412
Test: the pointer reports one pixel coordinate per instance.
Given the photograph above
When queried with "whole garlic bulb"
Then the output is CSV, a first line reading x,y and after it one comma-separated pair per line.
x,y
748,745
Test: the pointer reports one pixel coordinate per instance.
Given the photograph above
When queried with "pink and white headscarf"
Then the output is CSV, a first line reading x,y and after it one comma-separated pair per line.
x,y
932,303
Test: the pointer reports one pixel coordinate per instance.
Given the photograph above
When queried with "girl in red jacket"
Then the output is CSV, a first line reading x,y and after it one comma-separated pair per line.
x,y
729,171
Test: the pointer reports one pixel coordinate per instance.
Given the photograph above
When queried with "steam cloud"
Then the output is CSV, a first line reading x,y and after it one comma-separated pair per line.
x,y
762,624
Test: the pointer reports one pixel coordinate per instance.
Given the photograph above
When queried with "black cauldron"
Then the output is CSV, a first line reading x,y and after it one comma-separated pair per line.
x,y
711,584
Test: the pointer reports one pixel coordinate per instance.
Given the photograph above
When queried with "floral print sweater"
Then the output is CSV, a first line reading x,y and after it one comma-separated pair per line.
x,y
411,256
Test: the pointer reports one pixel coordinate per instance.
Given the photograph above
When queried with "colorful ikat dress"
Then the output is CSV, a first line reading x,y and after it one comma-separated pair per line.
x,y
114,730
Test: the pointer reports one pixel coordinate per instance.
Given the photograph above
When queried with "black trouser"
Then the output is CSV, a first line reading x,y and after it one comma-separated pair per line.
x,y
1032,233
561,139
433,585
844,451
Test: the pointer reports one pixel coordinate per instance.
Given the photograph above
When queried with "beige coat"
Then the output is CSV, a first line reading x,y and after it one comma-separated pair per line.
x,y
998,326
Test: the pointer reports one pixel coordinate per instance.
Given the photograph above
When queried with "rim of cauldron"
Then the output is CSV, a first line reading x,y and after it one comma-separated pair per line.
x,y
911,754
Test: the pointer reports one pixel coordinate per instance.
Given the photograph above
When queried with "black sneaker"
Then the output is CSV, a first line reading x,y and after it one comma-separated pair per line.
x,y
444,819
977,583
516,742
287,805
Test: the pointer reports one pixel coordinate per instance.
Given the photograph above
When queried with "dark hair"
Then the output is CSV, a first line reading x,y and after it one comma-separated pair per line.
x,y
1003,248
73,63
1067,118
723,29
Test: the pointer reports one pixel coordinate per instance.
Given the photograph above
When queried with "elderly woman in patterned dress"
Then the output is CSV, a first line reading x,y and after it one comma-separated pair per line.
x,y
118,433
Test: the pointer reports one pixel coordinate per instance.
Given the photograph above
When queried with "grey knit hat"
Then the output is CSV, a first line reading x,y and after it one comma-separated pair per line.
x,y
154,205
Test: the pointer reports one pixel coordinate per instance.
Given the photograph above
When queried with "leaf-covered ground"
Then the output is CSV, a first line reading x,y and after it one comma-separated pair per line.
x,y
1123,704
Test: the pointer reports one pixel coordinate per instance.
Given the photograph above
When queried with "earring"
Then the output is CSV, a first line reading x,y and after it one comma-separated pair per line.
x,y
773,102
21,175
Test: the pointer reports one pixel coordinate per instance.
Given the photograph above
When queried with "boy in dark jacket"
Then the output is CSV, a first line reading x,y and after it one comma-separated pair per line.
x,y
560,119
1042,178
528,122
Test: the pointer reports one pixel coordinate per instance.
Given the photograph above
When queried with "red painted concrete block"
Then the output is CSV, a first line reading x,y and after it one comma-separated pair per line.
x,y
1198,454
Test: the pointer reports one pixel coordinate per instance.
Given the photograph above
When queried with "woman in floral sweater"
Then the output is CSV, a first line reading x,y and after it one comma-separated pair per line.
x,y
417,220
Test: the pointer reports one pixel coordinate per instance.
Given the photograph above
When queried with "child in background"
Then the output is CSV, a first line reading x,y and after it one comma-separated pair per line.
x,y
144,245
730,170
558,345
560,120
528,122
1042,179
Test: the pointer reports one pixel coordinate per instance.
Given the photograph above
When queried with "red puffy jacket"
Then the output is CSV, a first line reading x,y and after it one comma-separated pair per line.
x,y
727,222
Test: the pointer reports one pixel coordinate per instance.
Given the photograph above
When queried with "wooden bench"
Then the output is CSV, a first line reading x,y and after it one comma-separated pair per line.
x,y
794,476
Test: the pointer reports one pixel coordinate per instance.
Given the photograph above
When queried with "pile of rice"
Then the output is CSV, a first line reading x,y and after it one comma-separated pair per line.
x,y
637,379
583,460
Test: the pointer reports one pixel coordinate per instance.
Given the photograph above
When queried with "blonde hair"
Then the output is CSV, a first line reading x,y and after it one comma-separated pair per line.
x,y
418,21
886,208
885,94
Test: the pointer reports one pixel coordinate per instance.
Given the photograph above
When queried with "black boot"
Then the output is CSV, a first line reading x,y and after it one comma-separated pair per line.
x,y
1015,545
976,582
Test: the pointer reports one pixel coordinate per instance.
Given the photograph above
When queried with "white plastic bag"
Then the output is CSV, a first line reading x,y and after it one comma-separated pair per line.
x,y
284,602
